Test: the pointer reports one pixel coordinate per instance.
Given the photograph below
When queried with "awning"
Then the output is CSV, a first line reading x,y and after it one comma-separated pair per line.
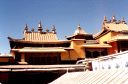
x,y
96,46
42,50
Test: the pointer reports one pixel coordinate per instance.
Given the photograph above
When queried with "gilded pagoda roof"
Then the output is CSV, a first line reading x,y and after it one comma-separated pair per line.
x,y
116,27
79,31
40,35
112,26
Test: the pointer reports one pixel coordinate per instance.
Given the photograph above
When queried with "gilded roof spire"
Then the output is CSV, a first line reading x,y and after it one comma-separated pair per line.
x,y
113,19
32,30
47,30
79,26
26,27
53,29
40,27
105,18
123,21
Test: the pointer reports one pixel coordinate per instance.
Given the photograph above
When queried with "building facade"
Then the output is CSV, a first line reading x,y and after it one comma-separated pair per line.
x,y
115,33
43,46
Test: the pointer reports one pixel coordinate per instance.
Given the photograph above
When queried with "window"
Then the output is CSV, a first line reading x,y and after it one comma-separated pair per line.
x,y
94,53
88,54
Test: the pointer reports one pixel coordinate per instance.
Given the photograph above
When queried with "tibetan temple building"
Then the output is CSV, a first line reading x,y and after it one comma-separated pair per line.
x,y
43,46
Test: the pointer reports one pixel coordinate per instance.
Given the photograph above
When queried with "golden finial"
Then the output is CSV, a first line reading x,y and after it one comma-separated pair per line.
x,y
105,18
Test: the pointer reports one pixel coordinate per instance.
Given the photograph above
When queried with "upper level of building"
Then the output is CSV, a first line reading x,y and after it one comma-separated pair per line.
x,y
112,30
39,38
115,25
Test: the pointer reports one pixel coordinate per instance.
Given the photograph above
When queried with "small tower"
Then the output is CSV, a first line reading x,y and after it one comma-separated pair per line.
x,y
53,29
40,27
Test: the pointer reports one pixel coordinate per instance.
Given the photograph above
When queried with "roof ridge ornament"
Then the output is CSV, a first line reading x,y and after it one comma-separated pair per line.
x,y
105,19
32,30
54,29
123,21
78,26
47,30
79,29
113,19
26,27
40,27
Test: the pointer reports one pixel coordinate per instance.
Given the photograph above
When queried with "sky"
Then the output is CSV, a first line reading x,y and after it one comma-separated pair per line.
x,y
66,15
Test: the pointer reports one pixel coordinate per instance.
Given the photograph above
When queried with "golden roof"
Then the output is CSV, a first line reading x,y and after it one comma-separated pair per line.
x,y
112,25
79,30
116,27
40,35
37,37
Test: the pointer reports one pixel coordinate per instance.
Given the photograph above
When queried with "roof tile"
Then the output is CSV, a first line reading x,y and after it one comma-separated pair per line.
x,y
36,36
